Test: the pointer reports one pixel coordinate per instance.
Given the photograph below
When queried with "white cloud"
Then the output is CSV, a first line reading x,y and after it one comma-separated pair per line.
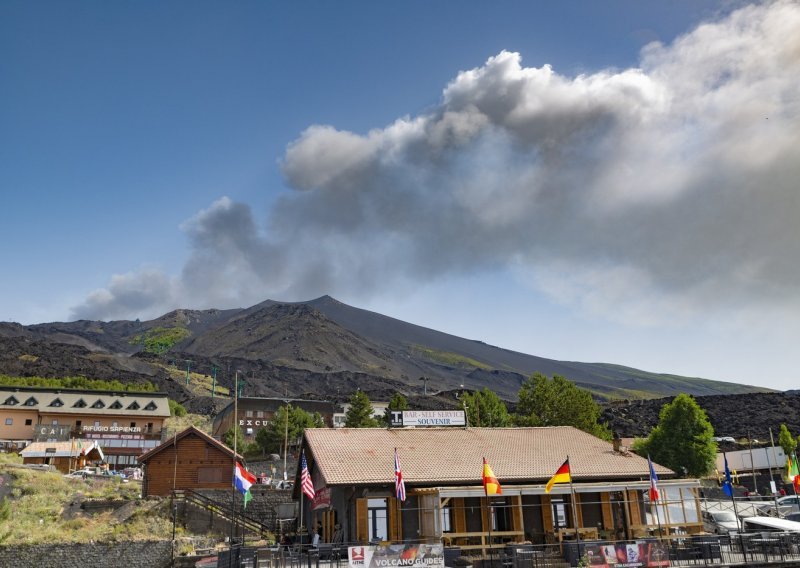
x,y
642,194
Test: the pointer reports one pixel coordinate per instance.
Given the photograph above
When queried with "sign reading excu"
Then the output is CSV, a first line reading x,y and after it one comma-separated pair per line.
x,y
399,418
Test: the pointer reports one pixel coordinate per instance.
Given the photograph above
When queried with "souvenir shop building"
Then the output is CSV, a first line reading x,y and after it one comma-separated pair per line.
x,y
353,474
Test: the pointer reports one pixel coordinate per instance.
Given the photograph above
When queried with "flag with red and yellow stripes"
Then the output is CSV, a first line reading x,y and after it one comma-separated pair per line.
x,y
490,484
561,476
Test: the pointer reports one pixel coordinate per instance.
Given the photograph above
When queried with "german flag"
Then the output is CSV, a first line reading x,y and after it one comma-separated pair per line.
x,y
561,476
490,484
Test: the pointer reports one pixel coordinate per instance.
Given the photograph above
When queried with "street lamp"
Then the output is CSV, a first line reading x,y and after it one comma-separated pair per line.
x,y
425,382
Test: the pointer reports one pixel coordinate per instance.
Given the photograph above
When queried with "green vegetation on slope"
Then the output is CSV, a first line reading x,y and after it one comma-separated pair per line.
x,y
161,339
38,500
448,358
76,383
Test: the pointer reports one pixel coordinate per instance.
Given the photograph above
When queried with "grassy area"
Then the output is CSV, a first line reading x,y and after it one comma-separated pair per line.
x,y
448,358
199,383
177,424
160,339
38,499
77,383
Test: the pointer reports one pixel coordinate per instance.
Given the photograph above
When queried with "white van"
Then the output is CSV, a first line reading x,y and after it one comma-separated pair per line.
x,y
769,524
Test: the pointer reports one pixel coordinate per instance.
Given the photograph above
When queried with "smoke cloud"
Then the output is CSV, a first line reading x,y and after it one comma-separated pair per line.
x,y
642,194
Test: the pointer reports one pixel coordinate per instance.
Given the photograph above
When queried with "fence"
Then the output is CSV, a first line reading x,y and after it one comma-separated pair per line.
x,y
747,549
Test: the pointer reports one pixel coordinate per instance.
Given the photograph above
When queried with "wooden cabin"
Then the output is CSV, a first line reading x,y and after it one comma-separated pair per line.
x,y
65,457
189,460
442,469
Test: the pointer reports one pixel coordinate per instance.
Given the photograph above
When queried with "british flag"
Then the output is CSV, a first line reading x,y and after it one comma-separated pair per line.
x,y
399,484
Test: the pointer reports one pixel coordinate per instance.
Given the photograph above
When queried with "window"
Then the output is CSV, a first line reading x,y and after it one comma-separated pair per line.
x,y
559,514
9,421
249,431
150,406
133,406
78,423
114,424
99,404
31,402
79,404
248,413
11,401
57,403
54,422
133,424
96,423
211,475
149,427
28,422
446,519
116,405
259,414
377,519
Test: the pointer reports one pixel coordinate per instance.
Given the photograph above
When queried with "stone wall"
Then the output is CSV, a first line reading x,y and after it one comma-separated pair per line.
x,y
143,554
262,507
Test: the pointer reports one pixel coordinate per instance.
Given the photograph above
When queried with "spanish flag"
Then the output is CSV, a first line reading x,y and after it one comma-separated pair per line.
x,y
561,476
490,484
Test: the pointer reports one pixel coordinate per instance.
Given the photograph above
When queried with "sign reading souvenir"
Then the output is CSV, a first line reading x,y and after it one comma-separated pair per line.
x,y
642,554
391,555
399,418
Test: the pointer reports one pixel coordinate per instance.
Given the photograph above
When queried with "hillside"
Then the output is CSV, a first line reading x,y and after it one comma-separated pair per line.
x,y
320,348
737,415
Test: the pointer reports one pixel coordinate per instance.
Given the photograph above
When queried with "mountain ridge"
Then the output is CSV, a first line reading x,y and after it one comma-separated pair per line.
x,y
321,342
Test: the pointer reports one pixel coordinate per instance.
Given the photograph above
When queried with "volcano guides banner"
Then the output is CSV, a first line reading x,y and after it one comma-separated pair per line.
x,y
396,556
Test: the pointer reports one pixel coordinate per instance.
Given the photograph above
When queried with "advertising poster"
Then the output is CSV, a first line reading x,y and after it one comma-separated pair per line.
x,y
391,555
644,554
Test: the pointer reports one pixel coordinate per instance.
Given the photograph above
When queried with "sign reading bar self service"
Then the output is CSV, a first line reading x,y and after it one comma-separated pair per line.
x,y
400,418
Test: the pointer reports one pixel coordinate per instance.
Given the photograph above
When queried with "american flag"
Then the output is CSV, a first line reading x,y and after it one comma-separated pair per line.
x,y
305,478
399,484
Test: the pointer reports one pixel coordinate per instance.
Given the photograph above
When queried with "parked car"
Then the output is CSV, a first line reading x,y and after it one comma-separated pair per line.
x,y
786,504
720,522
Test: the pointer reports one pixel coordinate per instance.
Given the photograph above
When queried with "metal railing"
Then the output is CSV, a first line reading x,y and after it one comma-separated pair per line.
x,y
238,518
746,549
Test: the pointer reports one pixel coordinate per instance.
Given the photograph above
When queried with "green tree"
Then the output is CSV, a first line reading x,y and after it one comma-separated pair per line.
x,y
398,402
272,438
227,437
175,408
484,408
786,440
558,402
683,439
359,415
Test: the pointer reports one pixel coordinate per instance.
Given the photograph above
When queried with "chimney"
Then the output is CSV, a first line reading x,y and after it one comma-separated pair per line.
x,y
617,442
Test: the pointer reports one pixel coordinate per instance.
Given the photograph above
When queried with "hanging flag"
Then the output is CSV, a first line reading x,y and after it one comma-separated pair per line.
x,y
561,476
490,484
305,478
242,480
399,483
727,483
794,474
653,481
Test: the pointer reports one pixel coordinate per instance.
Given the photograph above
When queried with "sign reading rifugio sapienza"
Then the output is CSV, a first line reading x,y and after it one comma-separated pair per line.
x,y
400,418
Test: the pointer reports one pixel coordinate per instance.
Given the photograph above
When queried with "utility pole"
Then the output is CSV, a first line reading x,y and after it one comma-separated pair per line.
x,y
188,365
214,382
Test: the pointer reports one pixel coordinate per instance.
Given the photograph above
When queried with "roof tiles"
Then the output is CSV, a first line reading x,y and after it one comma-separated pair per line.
x,y
430,456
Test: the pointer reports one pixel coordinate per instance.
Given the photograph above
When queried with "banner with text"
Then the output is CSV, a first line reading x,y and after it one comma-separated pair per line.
x,y
396,555
400,418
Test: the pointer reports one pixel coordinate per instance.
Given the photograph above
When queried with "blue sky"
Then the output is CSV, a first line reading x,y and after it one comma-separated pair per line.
x,y
631,203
